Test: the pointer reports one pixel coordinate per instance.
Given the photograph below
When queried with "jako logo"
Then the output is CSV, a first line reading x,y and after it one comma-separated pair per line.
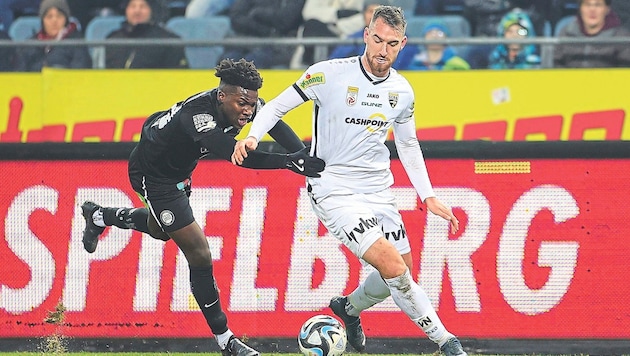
x,y
361,228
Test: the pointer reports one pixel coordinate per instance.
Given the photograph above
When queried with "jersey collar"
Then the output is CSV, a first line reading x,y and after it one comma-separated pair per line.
x,y
370,77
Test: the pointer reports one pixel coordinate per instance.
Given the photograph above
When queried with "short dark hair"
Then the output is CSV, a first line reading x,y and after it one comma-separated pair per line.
x,y
392,15
241,73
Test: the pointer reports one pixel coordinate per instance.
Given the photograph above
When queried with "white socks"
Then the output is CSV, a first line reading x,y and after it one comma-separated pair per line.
x,y
371,292
223,339
410,297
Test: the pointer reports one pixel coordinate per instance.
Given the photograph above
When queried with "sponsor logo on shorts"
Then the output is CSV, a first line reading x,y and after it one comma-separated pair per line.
x,y
396,235
364,225
167,217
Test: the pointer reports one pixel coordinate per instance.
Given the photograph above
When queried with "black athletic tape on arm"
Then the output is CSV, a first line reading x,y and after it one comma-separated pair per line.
x,y
286,137
264,160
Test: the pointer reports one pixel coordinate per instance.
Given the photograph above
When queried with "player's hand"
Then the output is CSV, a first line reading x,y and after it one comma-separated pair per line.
x,y
241,148
436,207
301,163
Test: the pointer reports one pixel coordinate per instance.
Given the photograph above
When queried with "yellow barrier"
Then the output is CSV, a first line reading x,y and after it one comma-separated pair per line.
x,y
110,105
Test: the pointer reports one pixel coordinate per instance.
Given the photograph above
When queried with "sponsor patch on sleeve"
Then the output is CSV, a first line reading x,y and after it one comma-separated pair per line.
x,y
312,79
204,122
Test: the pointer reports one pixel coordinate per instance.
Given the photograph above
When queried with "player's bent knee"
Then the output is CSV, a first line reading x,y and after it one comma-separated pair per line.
x,y
408,260
158,234
392,270
163,236
401,282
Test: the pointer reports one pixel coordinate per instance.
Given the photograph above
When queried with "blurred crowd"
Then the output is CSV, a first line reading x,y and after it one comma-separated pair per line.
x,y
57,20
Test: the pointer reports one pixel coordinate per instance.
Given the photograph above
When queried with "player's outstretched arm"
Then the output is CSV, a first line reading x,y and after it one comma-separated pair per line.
x,y
224,147
242,147
299,162
286,137
436,207
302,163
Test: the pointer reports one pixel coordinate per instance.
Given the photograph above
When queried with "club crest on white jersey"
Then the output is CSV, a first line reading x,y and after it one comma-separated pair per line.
x,y
393,99
352,96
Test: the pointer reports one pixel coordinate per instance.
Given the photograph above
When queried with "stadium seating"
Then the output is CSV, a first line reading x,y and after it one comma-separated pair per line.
x,y
562,23
177,7
98,29
456,24
24,27
452,7
570,6
408,6
213,27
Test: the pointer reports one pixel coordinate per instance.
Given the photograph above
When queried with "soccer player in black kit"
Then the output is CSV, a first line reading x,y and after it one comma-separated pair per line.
x,y
160,167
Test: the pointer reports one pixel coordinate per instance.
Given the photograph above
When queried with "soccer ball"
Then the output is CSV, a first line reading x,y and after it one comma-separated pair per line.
x,y
322,335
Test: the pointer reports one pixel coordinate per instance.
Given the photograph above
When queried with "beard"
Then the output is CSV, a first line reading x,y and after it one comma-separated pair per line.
x,y
379,66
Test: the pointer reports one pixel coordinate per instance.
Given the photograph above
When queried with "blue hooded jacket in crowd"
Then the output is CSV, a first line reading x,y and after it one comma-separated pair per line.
x,y
527,57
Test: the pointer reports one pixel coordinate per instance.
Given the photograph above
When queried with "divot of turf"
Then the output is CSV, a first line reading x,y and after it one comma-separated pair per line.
x,y
57,342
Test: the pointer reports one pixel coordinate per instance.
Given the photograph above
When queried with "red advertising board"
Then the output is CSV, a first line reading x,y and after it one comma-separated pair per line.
x,y
541,253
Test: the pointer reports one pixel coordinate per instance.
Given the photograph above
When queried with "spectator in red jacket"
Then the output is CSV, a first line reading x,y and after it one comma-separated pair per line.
x,y
56,26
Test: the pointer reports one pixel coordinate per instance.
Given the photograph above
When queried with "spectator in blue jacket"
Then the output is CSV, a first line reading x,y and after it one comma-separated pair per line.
x,y
405,56
437,56
516,24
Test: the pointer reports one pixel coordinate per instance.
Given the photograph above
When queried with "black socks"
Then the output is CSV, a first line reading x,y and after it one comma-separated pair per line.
x,y
127,218
206,293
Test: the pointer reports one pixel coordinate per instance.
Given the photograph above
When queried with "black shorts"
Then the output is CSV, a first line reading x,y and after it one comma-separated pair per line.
x,y
167,202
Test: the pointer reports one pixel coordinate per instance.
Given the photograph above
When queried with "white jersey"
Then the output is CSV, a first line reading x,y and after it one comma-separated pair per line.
x,y
352,114
351,118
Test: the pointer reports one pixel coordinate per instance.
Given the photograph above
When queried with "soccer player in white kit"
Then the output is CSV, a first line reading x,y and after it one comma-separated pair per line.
x,y
356,100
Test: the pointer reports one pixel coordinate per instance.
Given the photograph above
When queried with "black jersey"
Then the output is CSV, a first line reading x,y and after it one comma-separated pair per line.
x,y
170,147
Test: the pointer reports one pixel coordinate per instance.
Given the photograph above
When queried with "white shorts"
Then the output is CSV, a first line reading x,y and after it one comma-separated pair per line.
x,y
358,220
